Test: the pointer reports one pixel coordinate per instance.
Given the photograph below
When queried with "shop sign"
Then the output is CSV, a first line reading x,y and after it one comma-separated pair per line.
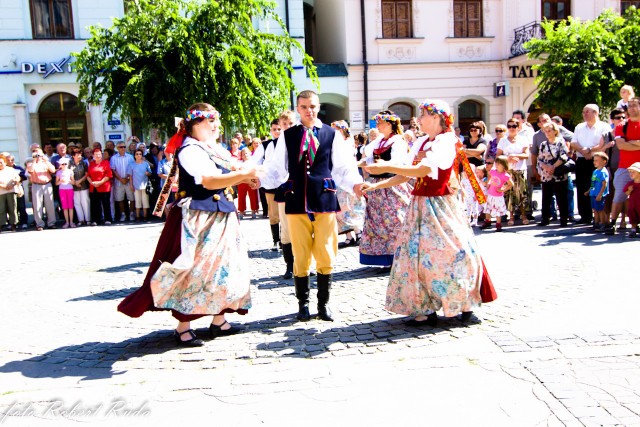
x,y
522,71
115,137
48,68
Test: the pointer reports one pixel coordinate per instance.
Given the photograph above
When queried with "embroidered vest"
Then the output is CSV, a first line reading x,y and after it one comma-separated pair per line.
x,y
430,187
203,199
310,188
383,153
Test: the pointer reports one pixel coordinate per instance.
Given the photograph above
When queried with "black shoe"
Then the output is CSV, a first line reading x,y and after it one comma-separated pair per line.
x,y
288,274
347,243
431,320
543,223
465,316
384,270
193,342
303,313
217,331
324,291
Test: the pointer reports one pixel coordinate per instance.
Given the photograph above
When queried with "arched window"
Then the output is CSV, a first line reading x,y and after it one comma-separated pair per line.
x,y
404,111
62,120
468,112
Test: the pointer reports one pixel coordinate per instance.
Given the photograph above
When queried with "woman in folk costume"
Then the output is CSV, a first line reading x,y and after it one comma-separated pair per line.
x,y
200,264
437,264
351,216
386,206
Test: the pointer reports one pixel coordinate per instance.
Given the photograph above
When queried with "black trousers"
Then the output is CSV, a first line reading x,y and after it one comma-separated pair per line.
x,y
100,207
584,170
560,190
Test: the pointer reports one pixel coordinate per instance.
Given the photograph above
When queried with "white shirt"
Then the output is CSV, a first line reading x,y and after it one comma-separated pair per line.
x,y
517,147
344,171
589,137
120,164
440,156
198,165
399,149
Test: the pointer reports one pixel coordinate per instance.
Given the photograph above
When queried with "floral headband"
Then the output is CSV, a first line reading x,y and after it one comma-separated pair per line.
x,y
197,114
440,108
340,124
386,117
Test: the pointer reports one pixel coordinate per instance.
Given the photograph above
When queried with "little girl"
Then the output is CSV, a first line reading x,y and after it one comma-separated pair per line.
x,y
481,174
632,189
65,181
472,207
499,181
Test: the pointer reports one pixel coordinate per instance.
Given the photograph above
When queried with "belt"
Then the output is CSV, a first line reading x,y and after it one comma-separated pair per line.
x,y
40,183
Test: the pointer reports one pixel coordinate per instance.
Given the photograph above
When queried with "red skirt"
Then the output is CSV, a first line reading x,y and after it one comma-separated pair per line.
x,y
487,291
167,250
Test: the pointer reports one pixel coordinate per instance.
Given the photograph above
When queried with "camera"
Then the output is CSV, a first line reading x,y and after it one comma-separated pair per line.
x,y
36,155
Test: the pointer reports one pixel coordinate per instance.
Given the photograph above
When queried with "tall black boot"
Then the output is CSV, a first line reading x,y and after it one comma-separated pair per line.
x,y
275,233
302,293
324,289
287,254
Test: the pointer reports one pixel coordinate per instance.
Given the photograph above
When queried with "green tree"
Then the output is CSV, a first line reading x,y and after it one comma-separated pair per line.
x,y
164,55
586,62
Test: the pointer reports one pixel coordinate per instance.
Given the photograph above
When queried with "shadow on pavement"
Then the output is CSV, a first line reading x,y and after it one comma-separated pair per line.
x,y
106,295
271,282
136,267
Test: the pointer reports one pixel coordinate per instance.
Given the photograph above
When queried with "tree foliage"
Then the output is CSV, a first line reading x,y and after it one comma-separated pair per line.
x,y
165,55
587,62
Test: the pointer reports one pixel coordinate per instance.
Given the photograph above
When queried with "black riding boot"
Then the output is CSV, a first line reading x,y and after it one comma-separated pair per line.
x,y
275,233
287,254
302,293
324,289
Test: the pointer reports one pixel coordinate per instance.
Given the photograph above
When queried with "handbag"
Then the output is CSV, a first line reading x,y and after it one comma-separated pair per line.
x,y
19,190
565,168
149,188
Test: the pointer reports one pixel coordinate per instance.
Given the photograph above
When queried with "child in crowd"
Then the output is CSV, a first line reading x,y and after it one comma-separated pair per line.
x,y
599,191
472,207
499,181
65,181
632,189
481,174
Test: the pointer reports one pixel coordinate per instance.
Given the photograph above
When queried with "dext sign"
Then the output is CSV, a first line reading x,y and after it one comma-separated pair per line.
x,y
48,68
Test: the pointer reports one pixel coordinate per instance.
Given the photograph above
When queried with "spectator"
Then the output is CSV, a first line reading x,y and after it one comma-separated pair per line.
x,y
97,145
138,173
551,153
616,116
244,189
516,148
88,155
599,190
476,145
628,142
23,217
153,156
526,131
632,189
374,134
566,133
164,167
492,148
80,187
9,180
48,150
120,165
458,133
626,93
587,140
498,182
65,182
61,153
360,141
99,176
109,145
40,171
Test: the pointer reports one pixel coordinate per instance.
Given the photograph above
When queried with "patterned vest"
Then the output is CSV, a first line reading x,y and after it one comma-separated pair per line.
x,y
310,188
430,187
201,198
383,153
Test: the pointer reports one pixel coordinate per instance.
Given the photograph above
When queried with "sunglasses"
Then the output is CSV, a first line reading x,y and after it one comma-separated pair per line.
x,y
499,130
618,118
512,126
121,146
473,129
489,163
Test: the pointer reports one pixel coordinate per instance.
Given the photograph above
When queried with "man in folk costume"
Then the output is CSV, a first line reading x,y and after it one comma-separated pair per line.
x,y
310,160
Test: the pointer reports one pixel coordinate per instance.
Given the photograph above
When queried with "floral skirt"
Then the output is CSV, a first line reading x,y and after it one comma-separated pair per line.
x,y
385,214
516,198
437,264
351,215
210,276
495,206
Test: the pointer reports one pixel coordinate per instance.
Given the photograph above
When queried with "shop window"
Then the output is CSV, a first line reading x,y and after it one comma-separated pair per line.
x,y
554,10
396,19
624,5
51,19
467,18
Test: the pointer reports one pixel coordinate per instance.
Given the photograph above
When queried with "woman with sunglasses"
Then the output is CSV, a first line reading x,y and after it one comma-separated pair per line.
x,y
475,146
516,148
492,147
200,264
437,264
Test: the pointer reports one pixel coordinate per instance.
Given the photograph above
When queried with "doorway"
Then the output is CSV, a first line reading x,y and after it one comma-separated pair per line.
x,y
62,119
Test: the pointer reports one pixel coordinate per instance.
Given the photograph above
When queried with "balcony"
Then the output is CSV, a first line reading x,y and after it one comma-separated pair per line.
x,y
523,34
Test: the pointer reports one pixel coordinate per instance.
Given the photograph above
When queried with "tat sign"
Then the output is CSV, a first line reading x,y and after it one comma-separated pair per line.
x,y
48,68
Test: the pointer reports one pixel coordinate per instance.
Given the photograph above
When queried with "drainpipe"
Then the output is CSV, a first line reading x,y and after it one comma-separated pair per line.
x,y
286,20
364,63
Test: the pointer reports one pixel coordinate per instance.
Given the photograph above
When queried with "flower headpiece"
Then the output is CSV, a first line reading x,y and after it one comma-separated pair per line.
x,y
440,107
197,114
391,118
343,126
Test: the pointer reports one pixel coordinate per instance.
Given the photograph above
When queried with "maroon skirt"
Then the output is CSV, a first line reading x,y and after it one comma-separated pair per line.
x,y
167,250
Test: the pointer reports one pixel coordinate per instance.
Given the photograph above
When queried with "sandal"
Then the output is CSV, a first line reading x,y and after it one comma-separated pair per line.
x,y
346,243
525,221
217,331
193,342
511,222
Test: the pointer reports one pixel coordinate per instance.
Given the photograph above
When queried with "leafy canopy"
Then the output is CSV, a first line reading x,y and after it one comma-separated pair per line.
x,y
587,62
165,55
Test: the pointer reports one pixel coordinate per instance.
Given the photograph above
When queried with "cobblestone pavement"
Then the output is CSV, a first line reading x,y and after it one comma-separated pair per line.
x,y
561,345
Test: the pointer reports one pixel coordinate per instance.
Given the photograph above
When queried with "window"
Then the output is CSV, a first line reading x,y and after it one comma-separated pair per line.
x,y
468,112
62,119
554,10
396,19
51,19
404,111
467,18
624,5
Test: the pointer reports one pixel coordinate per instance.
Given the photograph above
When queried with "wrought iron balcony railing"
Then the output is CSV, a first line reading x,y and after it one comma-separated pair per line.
x,y
523,34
